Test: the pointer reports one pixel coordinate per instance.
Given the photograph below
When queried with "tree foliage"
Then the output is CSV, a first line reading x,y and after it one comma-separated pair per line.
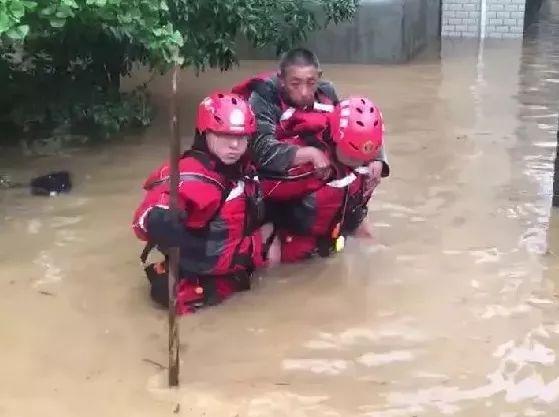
x,y
61,61
211,28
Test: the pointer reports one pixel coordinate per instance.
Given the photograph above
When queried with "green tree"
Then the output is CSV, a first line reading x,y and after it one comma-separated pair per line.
x,y
61,61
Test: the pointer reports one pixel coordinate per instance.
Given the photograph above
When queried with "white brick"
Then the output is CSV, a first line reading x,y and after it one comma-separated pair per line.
x,y
448,28
517,29
502,29
469,21
517,15
461,15
491,15
470,7
511,35
510,22
455,21
461,28
495,21
503,15
455,6
473,28
470,34
495,7
521,7
494,35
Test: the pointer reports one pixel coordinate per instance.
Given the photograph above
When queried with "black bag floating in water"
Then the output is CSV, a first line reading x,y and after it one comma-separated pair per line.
x,y
51,184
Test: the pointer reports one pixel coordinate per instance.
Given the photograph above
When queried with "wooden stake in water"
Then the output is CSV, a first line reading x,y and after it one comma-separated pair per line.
x,y
556,173
174,253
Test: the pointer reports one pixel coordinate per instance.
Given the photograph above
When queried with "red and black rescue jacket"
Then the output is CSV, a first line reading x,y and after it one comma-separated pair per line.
x,y
222,215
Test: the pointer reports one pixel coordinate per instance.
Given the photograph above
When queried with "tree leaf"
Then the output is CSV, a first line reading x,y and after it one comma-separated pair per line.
x,y
18,32
29,5
5,22
57,23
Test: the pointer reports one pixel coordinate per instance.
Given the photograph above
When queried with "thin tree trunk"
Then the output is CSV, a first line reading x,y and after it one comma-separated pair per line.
x,y
174,253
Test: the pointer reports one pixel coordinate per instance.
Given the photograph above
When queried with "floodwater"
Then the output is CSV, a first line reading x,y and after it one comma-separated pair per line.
x,y
452,310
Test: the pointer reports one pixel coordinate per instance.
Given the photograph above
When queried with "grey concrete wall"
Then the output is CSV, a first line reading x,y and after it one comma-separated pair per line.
x,y
383,31
464,18
433,19
532,12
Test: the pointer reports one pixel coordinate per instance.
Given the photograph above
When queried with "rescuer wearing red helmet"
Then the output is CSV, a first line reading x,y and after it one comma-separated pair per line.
x,y
314,214
220,232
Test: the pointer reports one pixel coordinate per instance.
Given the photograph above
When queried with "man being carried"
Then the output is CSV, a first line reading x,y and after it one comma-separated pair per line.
x,y
297,85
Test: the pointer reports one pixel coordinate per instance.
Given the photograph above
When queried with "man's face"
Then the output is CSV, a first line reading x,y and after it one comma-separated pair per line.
x,y
299,84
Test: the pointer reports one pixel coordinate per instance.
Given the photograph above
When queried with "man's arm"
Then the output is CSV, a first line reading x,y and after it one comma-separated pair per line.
x,y
382,158
267,152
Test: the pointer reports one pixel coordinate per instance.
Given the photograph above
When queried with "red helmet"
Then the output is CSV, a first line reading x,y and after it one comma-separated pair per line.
x,y
357,128
226,113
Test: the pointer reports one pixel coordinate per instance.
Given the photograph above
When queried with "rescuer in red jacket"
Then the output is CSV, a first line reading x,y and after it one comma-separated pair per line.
x,y
220,232
312,214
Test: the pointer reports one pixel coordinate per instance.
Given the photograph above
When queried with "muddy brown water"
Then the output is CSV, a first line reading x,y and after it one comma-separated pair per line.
x,y
452,310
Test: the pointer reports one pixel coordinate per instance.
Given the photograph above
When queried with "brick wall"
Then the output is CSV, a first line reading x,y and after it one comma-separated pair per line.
x,y
505,18
462,18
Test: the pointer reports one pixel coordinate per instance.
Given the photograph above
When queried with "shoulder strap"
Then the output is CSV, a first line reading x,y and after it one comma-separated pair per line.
x,y
274,175
186,176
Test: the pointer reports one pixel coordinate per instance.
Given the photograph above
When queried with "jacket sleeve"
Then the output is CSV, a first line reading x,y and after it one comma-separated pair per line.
x,y
199,200
382,157
327,88
266,151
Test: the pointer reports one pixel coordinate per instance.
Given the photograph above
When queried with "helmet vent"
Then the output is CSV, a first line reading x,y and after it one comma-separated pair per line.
x,y
363,101
234,100
376,123
220,95
372,109
360,123
218,119
359,110
353,146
